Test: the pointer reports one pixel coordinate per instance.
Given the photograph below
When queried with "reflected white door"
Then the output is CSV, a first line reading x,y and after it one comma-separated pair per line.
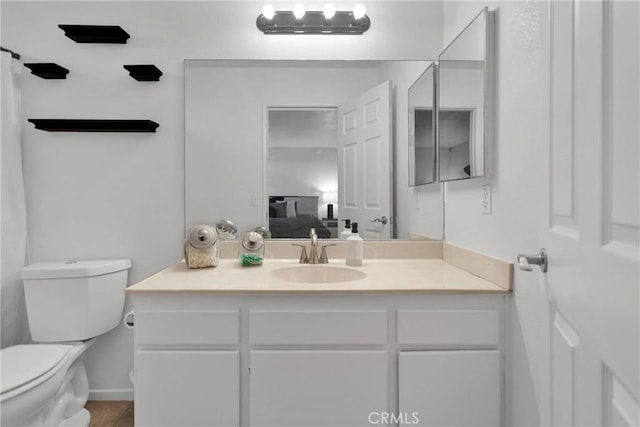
x,y
365,162
591,225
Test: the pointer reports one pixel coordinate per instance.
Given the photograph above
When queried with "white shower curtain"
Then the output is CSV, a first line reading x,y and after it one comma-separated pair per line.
x,y
13,234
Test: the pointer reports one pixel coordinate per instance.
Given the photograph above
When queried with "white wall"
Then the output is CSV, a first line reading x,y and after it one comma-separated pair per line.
x,y
521,138
121,195
309,127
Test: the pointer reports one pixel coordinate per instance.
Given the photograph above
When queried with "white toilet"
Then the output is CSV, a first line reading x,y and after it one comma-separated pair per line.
x,y
68,305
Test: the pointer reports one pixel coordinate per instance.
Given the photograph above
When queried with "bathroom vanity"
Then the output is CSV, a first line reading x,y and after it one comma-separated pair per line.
x,y
416,339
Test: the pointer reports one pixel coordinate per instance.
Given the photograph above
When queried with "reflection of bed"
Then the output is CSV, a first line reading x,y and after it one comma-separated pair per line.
x,y
293,216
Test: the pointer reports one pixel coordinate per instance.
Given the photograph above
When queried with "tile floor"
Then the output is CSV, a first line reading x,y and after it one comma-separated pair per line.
x,y
110,413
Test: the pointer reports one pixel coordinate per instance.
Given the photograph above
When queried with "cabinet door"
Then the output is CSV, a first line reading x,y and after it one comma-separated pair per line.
x,y
187,388
317,388
450,388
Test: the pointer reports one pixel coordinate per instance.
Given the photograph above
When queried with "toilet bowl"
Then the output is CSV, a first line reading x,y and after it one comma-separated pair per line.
x,y
68,304
44,384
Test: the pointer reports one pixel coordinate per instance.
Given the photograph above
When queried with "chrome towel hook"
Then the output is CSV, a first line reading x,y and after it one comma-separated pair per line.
x,y
526,261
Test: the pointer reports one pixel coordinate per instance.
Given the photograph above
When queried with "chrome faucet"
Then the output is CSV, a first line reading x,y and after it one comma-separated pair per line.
x,y
313,252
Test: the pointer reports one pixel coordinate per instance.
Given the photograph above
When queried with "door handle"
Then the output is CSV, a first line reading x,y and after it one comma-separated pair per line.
x,y
526,261
382,219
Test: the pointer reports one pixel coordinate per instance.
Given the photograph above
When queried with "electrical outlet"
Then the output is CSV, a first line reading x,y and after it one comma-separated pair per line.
x,y
253,201
485,199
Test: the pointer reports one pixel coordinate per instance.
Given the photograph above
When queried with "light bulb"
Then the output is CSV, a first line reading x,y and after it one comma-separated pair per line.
x,y
298,11
359,11
268,11
329,11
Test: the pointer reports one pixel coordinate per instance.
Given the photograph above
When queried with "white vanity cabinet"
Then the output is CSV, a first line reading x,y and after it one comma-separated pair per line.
x,y
329,367
187,367
318,359
456,382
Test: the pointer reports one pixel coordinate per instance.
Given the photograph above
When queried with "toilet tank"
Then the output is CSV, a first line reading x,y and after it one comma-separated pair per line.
x,y
74,300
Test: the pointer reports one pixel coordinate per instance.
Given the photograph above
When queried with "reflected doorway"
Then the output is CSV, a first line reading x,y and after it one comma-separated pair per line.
x,y
302,171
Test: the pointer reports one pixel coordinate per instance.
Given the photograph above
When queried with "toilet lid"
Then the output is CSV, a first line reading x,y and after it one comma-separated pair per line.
x,y
22,364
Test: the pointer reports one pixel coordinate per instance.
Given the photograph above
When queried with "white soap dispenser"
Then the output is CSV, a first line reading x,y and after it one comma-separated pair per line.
x,y
347,229
354,246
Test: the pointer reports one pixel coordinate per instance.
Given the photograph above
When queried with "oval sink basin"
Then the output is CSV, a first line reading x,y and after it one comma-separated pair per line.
x,y
317,274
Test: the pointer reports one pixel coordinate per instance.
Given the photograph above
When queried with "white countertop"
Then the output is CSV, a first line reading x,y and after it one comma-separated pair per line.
x,y
383,276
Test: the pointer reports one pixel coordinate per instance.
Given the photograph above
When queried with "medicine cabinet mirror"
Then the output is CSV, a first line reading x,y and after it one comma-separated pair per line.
x,y
422,130
465,102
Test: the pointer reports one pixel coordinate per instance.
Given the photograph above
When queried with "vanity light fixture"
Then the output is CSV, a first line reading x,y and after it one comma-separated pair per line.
x,y
301,21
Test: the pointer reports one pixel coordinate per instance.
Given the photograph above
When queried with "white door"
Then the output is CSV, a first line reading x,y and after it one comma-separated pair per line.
x,y
591,221
364,162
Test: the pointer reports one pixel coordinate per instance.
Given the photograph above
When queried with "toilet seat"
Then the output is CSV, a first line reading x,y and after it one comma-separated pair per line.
x,y
26,366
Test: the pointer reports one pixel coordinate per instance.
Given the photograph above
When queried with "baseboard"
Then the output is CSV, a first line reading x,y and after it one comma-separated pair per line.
x,y
111,394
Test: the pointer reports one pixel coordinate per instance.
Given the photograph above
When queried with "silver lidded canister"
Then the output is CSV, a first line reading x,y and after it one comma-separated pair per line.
x,y
251,251
253,241
201,248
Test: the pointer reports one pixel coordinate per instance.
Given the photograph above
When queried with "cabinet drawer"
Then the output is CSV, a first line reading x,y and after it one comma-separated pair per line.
x,y
187,327
318,327
449,327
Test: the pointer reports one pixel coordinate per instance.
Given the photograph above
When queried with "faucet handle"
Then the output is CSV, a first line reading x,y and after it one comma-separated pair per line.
x,y
304,259
323,255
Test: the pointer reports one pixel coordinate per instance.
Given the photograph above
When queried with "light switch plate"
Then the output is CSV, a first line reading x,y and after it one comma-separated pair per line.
x,y
485,199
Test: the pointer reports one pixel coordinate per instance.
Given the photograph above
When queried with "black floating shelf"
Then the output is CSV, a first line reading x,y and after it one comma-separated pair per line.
x,y
95,33
75,125
144,73
48,70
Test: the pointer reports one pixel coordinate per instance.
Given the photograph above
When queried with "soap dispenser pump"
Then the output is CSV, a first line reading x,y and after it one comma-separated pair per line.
x,y
354,247
347,229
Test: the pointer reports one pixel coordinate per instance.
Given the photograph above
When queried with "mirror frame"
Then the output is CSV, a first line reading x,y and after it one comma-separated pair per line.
x,y
488,133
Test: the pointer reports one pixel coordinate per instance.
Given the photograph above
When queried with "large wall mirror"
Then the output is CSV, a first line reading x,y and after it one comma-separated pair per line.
x,y
422,129
465,102
290,145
